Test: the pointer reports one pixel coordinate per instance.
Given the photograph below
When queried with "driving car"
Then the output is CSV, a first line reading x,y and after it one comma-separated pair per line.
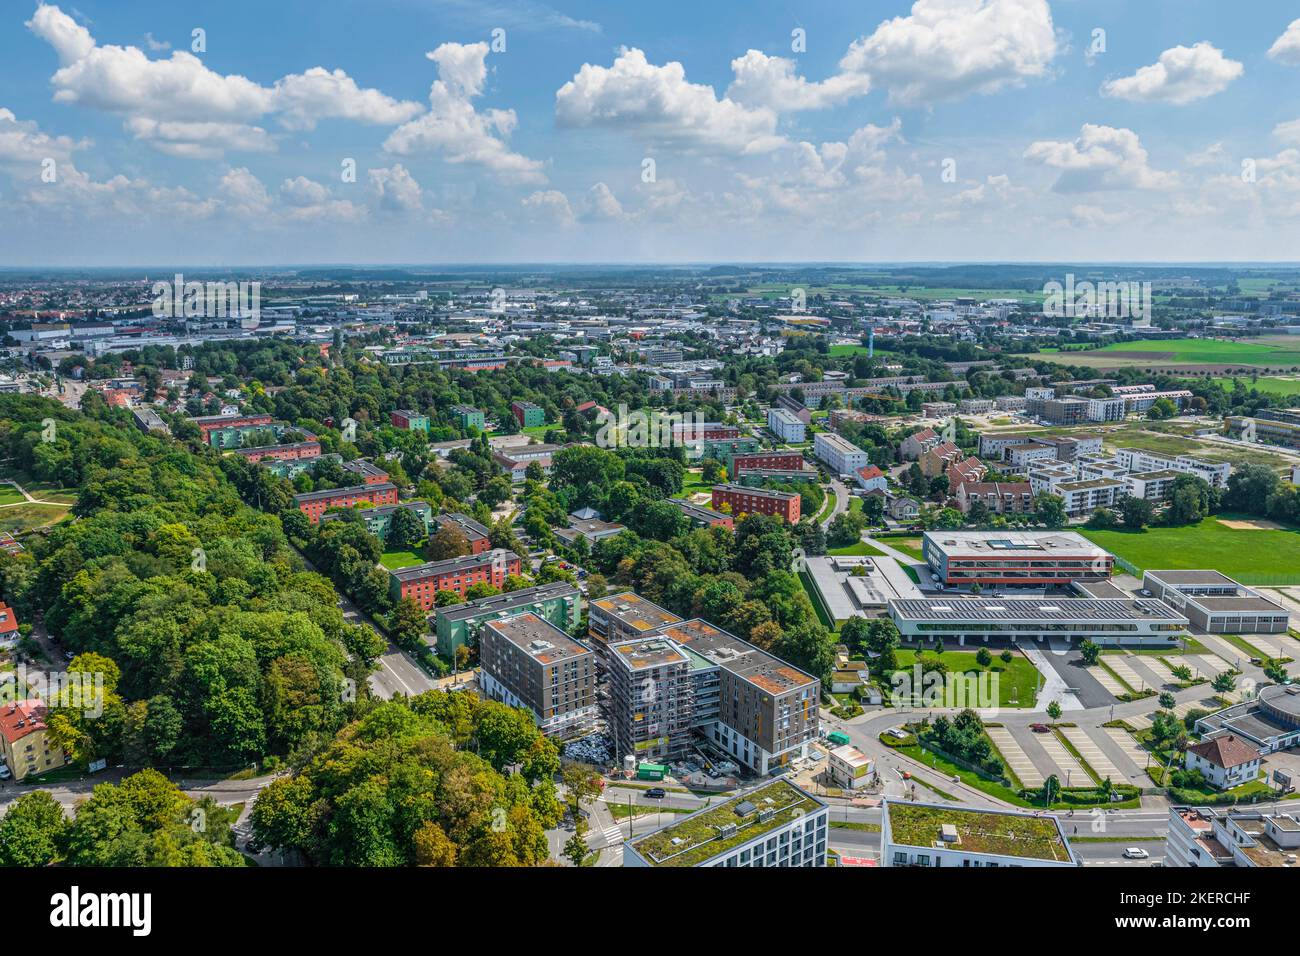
x,y
1136,853
656,793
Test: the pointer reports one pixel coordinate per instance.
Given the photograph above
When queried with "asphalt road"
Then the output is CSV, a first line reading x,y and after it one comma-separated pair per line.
x,y
842,496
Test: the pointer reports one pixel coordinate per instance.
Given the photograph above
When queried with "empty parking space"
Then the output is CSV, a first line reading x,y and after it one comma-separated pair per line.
x,y
1224,649
1208,703
1272,645
1161,669
1129,745
1069,771
1093,755
1015,757
1106,679
1120,665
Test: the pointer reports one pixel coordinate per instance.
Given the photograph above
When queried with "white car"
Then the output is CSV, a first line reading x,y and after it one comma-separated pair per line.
x,y
4,772
1136,853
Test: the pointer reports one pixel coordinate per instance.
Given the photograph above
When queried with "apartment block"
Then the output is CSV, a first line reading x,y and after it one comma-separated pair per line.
x,y
409,420
651,698
467,417
478,536
315,503
773,460
527,414
1212,837
367,471
422,582
291,452
527,662
785,425
742,500
209,423
378,520
25,741
624,617
1215,474
702,517
840,455
558,603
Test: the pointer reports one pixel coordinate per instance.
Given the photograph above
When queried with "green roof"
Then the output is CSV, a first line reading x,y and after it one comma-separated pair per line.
x,y
691,841
1002,834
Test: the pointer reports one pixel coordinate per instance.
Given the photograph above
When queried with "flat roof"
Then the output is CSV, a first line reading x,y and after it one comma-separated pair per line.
x,y
1013,543
1191,577
995,832
739,657
647,652
1037,609
634,610
757,492
430,568
539,639
697,838
342,492
507,601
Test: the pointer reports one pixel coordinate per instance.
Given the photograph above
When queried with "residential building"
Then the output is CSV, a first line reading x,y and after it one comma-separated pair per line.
x,y
367,471
798,409
377,520
935,835
840,455
776,824
291,452
765,460
703,517
903,508
209,423
1231,837
8,626
651,698
623,617
422,582
935,461
1063,411
938,409
409,420
515,461
1226,761
478,536
918,443
849,768
748,703
27,745
1022,458
1215,474
999,497
467,417
315,503
527,662
1014,557
527,414
1010,403
741,500
1107,409
871,478
975,406
785,425
588,525
1216,604
558,603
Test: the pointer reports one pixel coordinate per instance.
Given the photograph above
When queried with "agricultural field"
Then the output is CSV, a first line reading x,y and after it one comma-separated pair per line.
x,y
1251,555
1264,352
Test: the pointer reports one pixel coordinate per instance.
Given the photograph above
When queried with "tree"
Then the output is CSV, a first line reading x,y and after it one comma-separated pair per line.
x,y
575,848
449,541
1136,512
1225,682
983,657
408,624
1101,520
1162,409
1006,656
1049,509
406,531
1054,710
33,830
1167,700
1090,652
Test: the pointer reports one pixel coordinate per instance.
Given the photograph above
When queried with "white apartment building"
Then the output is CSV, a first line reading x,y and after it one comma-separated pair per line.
x,y
840,455
785,425
1135,459
1107,409
1209,837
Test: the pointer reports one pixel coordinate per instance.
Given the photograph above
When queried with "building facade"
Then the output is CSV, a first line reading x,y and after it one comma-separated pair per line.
x,y
527,662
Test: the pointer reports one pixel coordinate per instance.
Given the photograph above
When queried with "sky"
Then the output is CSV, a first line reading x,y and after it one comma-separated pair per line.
x,y
286,132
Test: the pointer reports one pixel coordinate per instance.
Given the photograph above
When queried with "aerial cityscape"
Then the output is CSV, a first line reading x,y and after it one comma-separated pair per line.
x,y
676,438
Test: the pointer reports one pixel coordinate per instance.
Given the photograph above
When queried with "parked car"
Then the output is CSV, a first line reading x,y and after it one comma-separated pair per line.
x,y
656,793
1136,853
1040,728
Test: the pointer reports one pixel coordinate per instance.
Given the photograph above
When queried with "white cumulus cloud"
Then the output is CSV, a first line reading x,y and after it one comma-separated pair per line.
x,y
1286,48
1101,158
1182,75
762,80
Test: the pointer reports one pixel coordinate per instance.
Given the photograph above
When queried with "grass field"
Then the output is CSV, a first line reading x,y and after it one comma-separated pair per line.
x,y
853,550
19,518
400,559
9,495
909,546
1250,556
1017,681
1275,351
41,489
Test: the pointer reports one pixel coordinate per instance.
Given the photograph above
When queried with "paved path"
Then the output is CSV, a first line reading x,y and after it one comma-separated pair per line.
x,y
1123,670
1054,687
842,496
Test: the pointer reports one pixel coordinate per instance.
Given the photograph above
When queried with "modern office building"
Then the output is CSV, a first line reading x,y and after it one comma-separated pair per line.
x,y
1270,721
1024,558
776,824
558,603
934,835
785,425
1216,604
315,503
624,617
1229,837
422,582
743,500
527,662
409,420
650,698
1109,622
748,703
840,455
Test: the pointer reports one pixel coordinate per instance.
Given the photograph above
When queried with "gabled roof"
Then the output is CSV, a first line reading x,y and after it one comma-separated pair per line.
x,y
1227,751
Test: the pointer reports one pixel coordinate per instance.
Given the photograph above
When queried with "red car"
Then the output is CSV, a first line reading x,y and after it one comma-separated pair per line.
x,y
1040,728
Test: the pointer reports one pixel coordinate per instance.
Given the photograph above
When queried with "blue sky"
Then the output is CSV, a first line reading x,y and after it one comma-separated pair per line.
x,y
572,131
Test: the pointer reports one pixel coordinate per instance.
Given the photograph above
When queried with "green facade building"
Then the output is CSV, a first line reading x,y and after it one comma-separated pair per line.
x,y
558,603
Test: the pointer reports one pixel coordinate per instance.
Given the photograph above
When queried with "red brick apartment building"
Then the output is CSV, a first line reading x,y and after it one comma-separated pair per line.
x,y
209,423
315,503
368,472
779,460
301,449
422,582
744,500
478,536
705,431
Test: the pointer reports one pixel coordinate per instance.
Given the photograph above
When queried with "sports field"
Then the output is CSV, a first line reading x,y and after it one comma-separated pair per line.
x,y
1269,351
1251,556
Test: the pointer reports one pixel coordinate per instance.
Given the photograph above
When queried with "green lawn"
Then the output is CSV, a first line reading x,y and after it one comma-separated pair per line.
x,y
44,490
19,518
1017,681
1250,556
1278,351
400,559
9,495
909,546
